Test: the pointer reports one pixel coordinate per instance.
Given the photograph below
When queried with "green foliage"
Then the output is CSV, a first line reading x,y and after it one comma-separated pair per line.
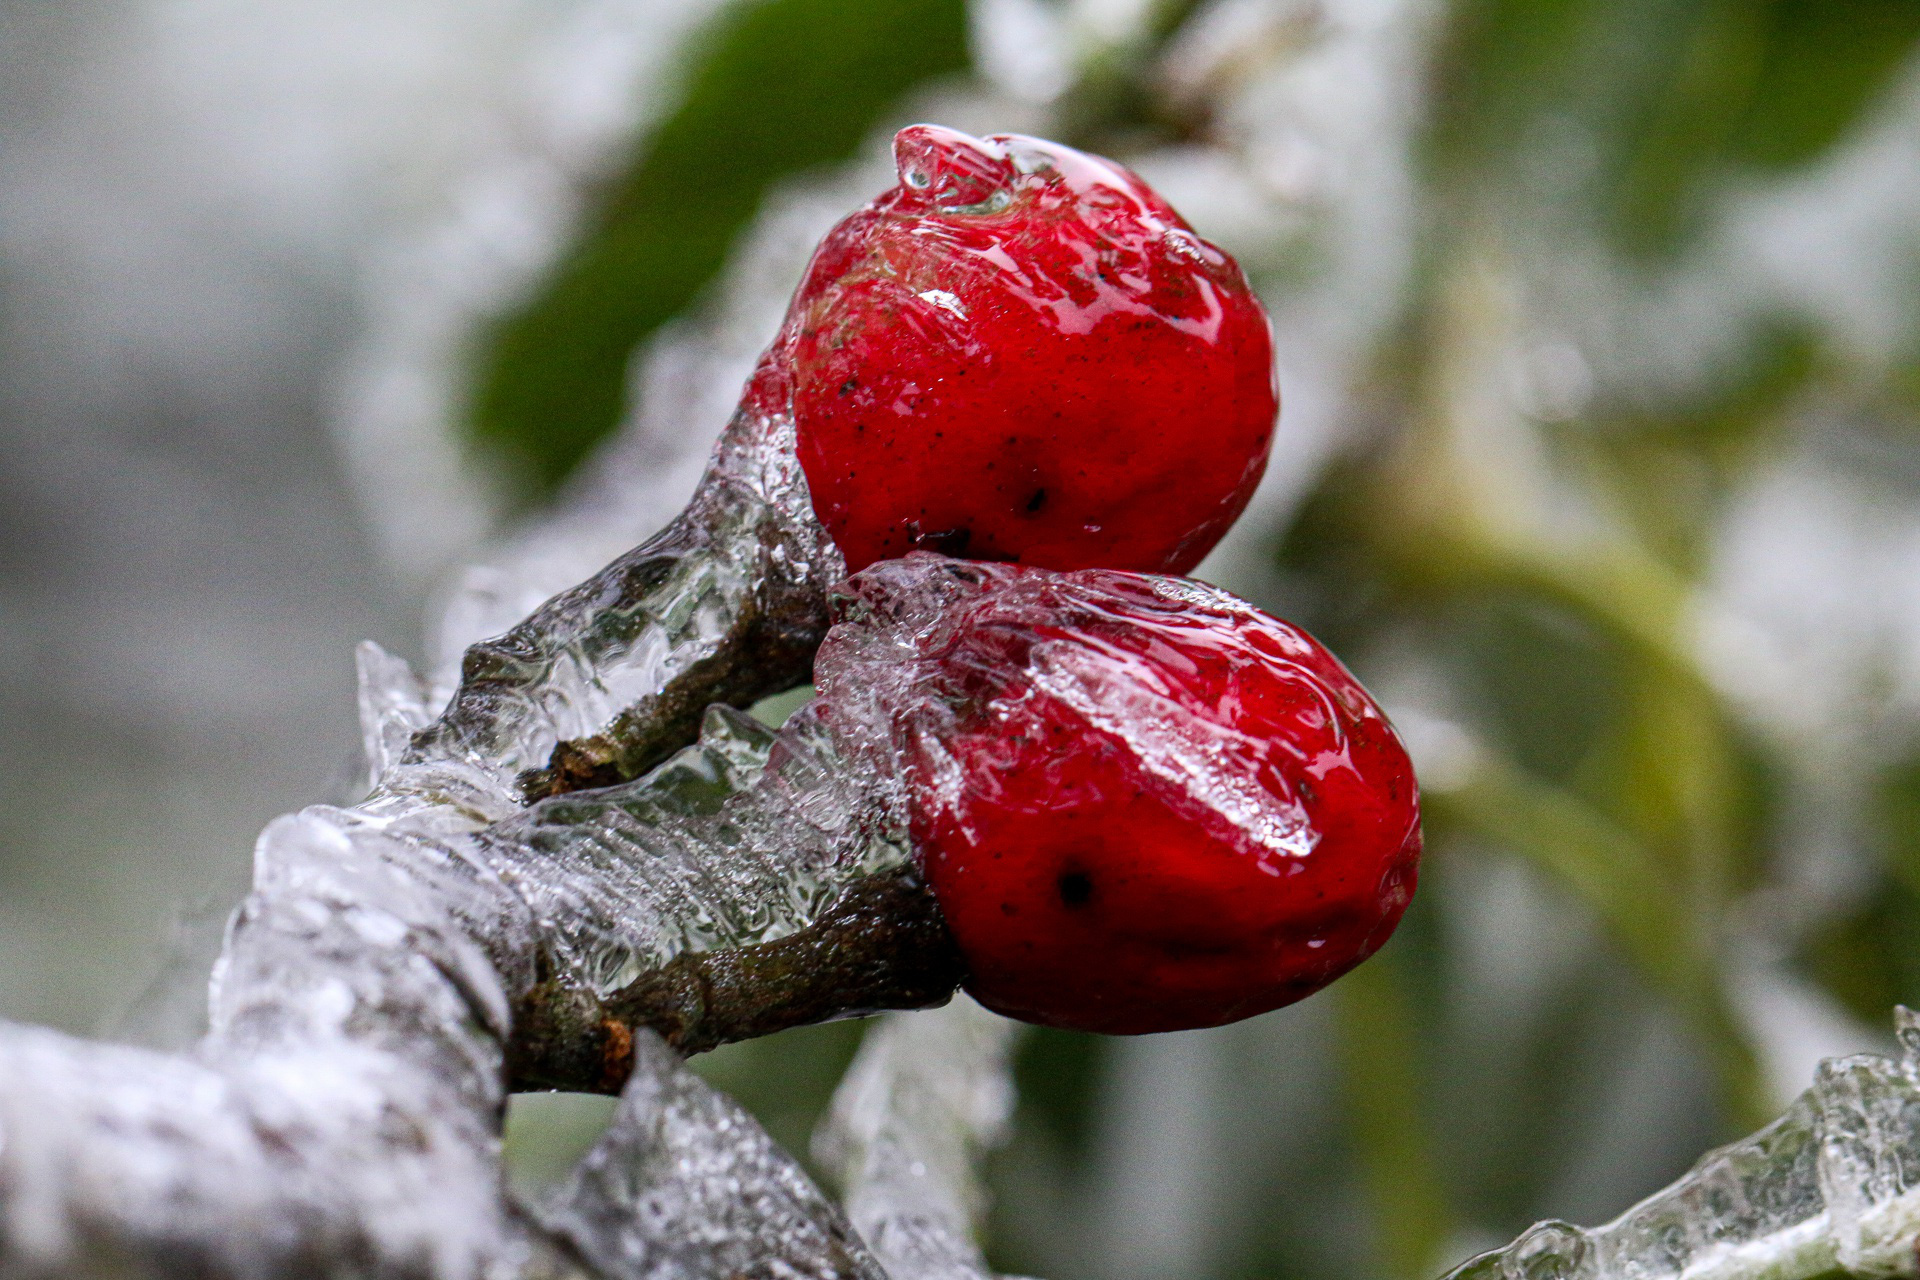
x,y
1056,1072
775,88
1381,1071
1824,63
1870,957
1676,98
1671,468
545,1135
1601,755
1113,106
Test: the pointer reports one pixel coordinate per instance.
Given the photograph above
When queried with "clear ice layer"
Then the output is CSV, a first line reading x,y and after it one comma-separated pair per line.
x,y
725,604
744,838
927,638
342,1104
346,1099
1145,805
1832,1185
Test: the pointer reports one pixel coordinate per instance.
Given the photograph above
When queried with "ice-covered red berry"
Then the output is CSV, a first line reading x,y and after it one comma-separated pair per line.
x,y
1018,354
1021,353
1142,804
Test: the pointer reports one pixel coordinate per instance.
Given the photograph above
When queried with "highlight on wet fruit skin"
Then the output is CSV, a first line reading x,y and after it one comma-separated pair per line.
x,y
1021,353
1142,804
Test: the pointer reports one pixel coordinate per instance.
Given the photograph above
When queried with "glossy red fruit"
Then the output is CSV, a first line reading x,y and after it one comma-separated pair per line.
x,y
1022,353
1143,804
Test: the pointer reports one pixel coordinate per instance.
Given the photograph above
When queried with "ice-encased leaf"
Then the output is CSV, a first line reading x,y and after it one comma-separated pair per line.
x,y
928,1094
685,1185
1832,1185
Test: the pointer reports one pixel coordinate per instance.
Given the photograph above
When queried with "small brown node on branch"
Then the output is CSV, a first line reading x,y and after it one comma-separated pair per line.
x,y
616,1055
580,765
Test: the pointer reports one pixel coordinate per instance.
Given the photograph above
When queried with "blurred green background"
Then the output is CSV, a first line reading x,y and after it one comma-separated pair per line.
x,y
1599,327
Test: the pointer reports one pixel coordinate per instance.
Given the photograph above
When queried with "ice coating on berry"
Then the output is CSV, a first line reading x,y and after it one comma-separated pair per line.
x,y
1143,804
1021,353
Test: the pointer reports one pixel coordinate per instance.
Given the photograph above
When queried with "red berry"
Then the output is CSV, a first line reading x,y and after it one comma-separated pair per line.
x,y
1022,353
1143,804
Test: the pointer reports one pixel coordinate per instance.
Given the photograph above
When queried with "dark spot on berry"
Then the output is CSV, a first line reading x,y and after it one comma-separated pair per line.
x,y
1038,500
850,386
1076,888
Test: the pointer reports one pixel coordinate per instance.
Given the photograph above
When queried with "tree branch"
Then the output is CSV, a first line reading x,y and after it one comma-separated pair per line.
x,y
606,680
398,959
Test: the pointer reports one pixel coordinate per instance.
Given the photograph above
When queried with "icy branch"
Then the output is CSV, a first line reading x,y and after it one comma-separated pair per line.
x,y
1832,1185
726,604
401,963
755,882
344,1105
685,1183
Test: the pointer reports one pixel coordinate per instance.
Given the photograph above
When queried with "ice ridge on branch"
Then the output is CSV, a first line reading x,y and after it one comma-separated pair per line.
x,y
685,1183
753,882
